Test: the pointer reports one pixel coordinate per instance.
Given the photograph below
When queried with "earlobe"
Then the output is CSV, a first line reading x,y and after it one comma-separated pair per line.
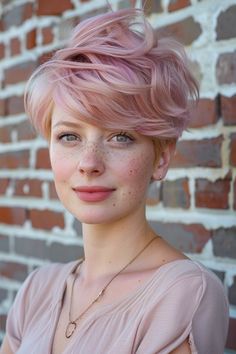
x,y
162,164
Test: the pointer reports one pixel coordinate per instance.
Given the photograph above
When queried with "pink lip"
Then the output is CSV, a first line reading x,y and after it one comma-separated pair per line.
x,y
93,193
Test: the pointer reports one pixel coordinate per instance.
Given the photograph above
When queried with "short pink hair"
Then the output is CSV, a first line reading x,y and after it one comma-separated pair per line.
x,y
117,74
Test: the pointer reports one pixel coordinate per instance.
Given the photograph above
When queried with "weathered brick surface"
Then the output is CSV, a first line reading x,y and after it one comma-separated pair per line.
x,y
3,294
187,238
13,270
12,216
4,183
231,340
204,113
234,194
50,8
19,73
77,226
212,195
224,242
225,27
233,149
175,5
52,191
228,109
28,187
4,243
17,159
30,247
2,51
15,46
226,68
42,159
17,15
46,219
154,194
186,31
175,194
152,6
47,35
204,153
15,105
3,319
2,107
31,39
232,293
58,252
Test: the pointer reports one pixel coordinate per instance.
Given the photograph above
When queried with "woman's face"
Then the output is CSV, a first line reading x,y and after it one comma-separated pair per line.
x,y
101,175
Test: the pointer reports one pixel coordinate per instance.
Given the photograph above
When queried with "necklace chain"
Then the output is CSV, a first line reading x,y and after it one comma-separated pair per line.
x,y
72,324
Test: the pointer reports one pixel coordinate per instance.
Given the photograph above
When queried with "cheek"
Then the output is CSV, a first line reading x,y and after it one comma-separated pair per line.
x,y
61,165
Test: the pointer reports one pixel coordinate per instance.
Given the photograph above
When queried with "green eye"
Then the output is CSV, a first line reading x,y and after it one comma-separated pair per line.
x,y
68,137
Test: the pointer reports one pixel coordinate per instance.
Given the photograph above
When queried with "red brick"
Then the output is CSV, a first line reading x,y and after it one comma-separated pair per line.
x,y
231,340
15,105
13,270
154,194
17,15
235,194
19,73
30,247
3,107
226,68
30,187
45,57
228,109
152,6
204,113
175,194
175,5
225,28
224,242
12,216
3,320
42,159
46,219
16,159
15,46
25,131
31,39
52,8
2,51
52,191
233,149
185,31
187,238
203,153
4,183
47,34
5,135
212,195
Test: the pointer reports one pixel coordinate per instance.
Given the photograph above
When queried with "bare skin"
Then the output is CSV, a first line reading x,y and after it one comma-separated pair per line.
x,y
114,229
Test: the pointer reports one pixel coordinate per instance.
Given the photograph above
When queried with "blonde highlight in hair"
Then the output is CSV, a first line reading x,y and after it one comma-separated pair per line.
x,y
116,73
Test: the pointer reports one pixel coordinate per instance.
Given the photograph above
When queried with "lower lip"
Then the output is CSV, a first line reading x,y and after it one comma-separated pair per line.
x,y
93,196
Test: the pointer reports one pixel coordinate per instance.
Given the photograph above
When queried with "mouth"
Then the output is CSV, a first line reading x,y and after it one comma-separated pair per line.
x,y
93,193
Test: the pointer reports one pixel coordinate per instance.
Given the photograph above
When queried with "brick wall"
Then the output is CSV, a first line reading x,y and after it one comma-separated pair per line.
x,y
195,206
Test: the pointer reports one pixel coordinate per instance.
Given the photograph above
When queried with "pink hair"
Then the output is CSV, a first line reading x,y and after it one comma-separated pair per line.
x,y
115,73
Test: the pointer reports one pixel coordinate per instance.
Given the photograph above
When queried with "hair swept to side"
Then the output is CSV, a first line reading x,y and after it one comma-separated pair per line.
x,y
115,73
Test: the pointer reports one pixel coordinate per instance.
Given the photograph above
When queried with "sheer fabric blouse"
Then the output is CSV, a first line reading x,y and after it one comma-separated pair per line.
x,y
181,300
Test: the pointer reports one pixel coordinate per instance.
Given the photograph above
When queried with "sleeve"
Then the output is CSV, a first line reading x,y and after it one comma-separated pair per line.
x,y
181,313
210,321
17,314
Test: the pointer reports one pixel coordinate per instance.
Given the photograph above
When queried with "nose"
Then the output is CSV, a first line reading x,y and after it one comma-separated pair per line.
x,y
91,162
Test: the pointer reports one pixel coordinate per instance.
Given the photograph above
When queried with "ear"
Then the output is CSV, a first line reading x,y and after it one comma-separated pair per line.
x,y
162,164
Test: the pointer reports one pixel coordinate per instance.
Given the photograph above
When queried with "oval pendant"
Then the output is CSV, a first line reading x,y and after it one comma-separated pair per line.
x,y
71,327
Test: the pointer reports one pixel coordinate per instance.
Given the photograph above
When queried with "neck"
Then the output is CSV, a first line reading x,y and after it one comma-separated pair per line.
x,y
108,247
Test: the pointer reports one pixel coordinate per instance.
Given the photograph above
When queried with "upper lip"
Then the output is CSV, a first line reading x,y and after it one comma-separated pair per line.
x,y
93,189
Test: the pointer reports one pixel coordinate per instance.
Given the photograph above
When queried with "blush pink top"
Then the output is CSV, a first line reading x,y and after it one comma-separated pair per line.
x,y
181,300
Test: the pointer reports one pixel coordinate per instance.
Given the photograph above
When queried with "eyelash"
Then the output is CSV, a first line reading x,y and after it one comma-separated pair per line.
x,y
61,137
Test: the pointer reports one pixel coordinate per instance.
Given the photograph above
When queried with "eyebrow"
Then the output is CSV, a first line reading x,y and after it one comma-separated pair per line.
x,y
67,124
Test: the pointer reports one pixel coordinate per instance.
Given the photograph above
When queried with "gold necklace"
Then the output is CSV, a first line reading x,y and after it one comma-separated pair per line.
x,y
72,324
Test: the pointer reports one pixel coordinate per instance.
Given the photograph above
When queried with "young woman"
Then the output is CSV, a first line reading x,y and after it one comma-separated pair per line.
x,y
112,105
